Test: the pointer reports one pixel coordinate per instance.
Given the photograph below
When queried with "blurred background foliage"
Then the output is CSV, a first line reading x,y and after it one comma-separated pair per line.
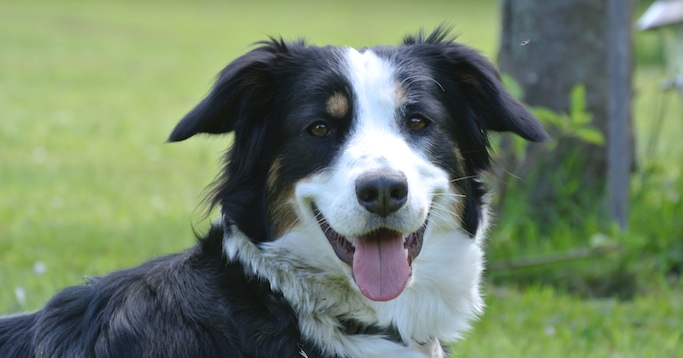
x,y
89,90
575,246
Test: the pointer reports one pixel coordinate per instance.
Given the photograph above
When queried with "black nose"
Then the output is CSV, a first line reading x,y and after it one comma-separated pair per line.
x,y
382,192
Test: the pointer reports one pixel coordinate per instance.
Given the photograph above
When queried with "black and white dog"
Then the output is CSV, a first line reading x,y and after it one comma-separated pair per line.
x,y
352,215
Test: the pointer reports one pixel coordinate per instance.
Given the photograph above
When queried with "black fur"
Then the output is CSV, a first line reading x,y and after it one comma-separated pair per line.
x,y
192,304
198,304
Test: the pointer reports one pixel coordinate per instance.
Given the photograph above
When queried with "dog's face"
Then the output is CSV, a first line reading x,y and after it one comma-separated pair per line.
x,y
373,198
352,159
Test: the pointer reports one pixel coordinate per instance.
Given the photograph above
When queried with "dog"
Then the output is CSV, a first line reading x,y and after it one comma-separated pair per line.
x,y
352,215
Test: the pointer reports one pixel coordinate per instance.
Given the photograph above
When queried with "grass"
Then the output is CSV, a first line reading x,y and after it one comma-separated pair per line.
x,y
540,322
90,90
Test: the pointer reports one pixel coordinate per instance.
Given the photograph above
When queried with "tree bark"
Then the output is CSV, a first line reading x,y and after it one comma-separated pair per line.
x,y
620,135
549,47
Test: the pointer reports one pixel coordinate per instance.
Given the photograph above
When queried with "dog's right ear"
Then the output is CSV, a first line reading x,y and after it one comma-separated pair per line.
x,y
241,88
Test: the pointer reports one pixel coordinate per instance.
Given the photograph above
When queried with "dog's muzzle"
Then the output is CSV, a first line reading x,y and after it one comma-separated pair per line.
x,y
381,258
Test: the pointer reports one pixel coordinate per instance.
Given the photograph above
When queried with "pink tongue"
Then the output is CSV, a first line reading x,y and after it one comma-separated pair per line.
x,y
380,266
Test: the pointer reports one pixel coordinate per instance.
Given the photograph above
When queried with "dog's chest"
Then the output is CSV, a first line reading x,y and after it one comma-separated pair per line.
x,y
437,305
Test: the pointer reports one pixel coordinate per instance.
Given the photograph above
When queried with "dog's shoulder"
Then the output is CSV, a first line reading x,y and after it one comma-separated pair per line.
x,y
16,335
173,306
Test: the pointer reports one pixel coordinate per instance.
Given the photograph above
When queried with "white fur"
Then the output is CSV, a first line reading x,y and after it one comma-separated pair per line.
x,y
442,296
439,303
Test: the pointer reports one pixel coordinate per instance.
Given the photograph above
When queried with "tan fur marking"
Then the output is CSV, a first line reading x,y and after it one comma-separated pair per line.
x,y
282,212
458,207
280,204
337,105
273,173
400,95
458,155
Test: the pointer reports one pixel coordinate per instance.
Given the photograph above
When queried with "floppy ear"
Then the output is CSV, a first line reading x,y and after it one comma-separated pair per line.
x,y
238,89
480,83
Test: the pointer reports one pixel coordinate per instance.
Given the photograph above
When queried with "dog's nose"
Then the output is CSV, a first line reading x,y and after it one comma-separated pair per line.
x,y
382,192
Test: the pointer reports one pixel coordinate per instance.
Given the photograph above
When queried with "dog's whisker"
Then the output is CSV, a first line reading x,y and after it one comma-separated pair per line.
x,y
452,194
289,229
441,208
415,77
463,178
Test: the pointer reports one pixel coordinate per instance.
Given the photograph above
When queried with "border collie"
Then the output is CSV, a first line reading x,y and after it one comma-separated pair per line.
x,y
352,215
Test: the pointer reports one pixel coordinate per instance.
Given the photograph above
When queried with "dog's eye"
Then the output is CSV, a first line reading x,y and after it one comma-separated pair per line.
x,y
417,123
319,129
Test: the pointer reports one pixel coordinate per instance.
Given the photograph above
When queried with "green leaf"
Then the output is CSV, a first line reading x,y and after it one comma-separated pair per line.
x,y
589,135
578,100
546,116
579,116
581,119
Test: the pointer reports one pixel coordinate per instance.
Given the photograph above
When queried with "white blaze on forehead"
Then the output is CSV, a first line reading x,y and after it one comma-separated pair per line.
x,y
376,139
376,89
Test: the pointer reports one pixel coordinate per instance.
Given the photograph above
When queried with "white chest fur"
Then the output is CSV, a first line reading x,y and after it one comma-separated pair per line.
x,y
438,305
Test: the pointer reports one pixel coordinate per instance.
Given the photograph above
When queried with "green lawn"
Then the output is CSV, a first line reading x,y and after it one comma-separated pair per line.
x,y
90,90
543,323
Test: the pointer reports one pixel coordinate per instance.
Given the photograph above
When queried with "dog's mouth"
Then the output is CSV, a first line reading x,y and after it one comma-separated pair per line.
x,y
381,260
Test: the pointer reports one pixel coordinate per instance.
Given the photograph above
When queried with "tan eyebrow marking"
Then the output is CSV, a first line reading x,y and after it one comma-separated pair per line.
x,y
337,105
400,95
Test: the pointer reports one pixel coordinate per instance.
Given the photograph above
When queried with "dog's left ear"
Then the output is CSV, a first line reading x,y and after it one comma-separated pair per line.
x,y
480,83
241,91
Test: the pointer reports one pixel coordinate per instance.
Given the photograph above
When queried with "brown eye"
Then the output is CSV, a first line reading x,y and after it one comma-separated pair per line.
x,y
417,123
319,129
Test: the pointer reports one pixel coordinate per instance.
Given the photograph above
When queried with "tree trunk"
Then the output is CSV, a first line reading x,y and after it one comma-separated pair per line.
x,y
549,47
620,145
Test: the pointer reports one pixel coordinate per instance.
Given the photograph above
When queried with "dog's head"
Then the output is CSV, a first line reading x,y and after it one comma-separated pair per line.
x,y
363,151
